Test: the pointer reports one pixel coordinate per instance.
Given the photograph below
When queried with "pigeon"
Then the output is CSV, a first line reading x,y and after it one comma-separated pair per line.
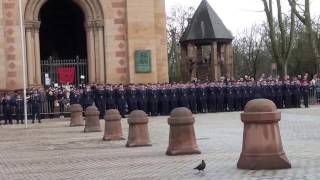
x,y
201,166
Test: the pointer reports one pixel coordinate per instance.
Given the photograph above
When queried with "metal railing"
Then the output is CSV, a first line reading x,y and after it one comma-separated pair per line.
x,y
50,66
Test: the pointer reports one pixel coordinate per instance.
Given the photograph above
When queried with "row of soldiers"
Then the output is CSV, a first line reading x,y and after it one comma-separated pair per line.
x,y
13,104
211,97
160,99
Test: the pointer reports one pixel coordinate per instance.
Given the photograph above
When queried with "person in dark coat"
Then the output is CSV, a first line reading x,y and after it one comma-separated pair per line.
x,y
62,102
142,99
173,94
305,92
220,97
74,97
6,107
279,94
212,98
154,100
35,104
110,97
99,97
121,100
19,107
230,93
202,96
295,88
193,99
238,97
164,101
246,95
86,98
287,94
51,98
132,98
184,97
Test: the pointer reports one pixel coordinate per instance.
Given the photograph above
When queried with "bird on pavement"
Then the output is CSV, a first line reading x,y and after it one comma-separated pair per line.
x,y
201,166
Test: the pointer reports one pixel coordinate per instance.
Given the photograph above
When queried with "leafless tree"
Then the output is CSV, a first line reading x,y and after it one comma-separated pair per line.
x,y
302,11
177,22
281,33
249,47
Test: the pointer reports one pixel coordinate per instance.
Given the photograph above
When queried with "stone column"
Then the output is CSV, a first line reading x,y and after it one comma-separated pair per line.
x,y
30,53
183,64
37,54
214,61
100,61
91,53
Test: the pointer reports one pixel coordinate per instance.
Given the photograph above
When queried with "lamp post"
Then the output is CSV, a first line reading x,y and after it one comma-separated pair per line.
x,y
23,50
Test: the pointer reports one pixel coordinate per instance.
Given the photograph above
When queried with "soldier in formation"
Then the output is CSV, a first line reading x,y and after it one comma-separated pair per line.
x,y
161,99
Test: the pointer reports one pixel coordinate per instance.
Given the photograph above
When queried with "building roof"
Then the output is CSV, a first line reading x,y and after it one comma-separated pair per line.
x,y
206,26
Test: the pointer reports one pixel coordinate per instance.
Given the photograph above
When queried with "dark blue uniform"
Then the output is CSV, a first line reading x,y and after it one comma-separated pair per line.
x,y
121,101
19,106
35,104
132,100
142,100
164,102
7,111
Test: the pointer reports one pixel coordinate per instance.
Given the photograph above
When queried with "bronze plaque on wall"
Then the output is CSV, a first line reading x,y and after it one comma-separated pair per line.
x,y
143,61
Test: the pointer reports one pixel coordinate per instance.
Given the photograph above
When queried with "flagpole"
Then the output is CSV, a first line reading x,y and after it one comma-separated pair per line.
x,y
23,50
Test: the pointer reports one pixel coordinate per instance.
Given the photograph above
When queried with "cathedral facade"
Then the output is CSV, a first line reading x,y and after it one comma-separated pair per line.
x,y
104,41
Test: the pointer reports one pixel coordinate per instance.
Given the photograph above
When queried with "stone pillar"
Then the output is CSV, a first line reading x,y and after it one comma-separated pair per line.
x,y
76,115
262,145
182,139
138,129
214,62
92,120
91,53
100,61
113,128
30,53
37,54
183,64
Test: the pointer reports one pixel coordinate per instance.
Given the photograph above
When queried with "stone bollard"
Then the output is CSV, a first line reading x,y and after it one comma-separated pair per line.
x,y
76,115
113,128
262,146
182,139
92,120
138,129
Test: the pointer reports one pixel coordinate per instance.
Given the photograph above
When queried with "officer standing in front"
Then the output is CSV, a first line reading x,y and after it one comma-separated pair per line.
x,y
35,103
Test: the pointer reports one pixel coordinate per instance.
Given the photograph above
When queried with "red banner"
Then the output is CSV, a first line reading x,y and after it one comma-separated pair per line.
x,y
66,75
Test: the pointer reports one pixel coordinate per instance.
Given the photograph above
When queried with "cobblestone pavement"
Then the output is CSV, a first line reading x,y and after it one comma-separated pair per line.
x,y
52,150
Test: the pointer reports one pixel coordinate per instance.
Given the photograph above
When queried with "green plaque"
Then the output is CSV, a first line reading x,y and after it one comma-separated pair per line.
x,y
143,61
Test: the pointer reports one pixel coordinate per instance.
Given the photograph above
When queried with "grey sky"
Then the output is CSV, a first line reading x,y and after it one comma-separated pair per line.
x,y
238,14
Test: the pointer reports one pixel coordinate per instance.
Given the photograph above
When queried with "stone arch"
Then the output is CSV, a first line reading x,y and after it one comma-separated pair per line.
x,y
94,24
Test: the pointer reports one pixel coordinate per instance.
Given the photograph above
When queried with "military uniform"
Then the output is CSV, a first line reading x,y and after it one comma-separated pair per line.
x,y
173,101
35,103
153,102
7,111
19,109
193,100
142,100
132,99
121,101
212,99
164,102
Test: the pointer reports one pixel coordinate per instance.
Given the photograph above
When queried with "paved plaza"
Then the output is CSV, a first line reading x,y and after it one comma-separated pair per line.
x,y
52,150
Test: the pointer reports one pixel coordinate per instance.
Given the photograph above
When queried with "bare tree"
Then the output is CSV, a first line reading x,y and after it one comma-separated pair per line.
x,y
281,37
177,22
249,47
305,18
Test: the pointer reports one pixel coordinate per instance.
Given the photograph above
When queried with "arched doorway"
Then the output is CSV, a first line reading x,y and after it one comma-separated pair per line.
x,y
62,40
41,40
